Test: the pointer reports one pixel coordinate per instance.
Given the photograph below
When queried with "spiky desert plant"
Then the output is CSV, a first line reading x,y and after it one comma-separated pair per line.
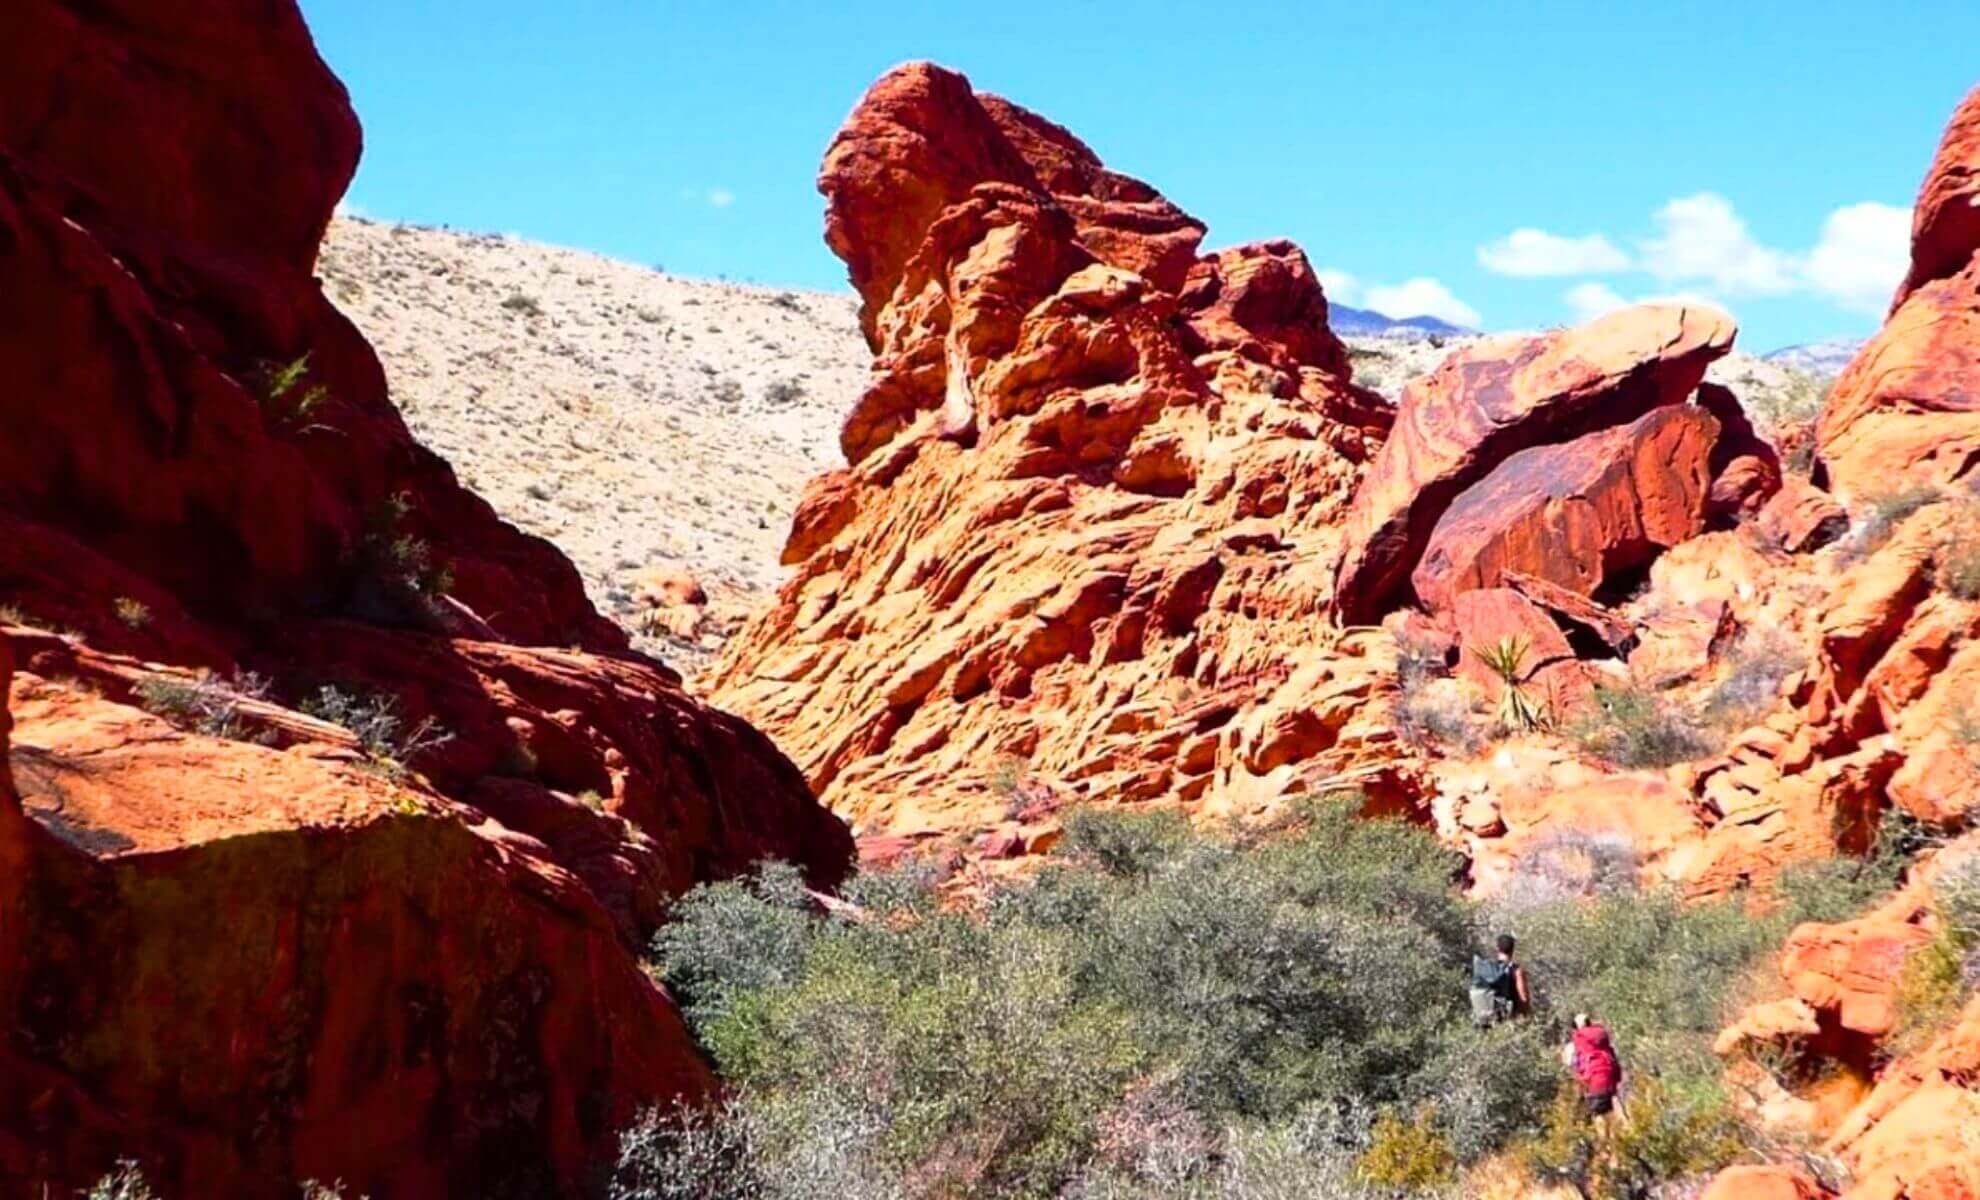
x,y
1518,711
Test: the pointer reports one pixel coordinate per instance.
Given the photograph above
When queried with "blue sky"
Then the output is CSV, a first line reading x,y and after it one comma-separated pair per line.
x,y
1761,155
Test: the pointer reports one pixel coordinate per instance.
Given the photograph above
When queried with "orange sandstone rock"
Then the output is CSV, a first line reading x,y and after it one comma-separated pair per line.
x,y
1089,499
1495,398
1906,412
246,964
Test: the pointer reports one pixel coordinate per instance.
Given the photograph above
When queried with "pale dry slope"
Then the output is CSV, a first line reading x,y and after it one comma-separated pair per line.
x,y
636,419
642,420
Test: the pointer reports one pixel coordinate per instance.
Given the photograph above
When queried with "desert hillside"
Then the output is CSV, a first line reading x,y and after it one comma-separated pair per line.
x,y
637,419
645,421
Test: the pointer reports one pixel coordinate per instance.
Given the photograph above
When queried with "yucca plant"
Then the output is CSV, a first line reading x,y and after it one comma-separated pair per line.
x,y
1518,712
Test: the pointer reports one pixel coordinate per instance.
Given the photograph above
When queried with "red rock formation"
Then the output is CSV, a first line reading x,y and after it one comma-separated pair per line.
x,y
1576,513
1945,221
1910,1137
1906,412
1493,621
245,966
1090,493
429,982
1495,398
1801,517
1763,1181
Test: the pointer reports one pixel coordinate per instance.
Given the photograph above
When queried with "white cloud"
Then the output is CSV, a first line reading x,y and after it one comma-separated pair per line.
x,y
1591,300
1705,241
1534,253
1421,297
1341,287
1864,252
720,197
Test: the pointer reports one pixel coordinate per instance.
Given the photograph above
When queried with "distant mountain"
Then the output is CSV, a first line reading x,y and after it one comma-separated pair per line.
x,y
1818,358
1362,322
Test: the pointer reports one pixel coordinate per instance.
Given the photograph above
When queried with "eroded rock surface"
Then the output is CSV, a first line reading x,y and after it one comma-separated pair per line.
x,y
1494,399
430,896
1093,489
1906,411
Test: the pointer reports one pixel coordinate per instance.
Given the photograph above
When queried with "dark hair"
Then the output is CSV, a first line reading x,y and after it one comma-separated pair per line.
x,y
1506,943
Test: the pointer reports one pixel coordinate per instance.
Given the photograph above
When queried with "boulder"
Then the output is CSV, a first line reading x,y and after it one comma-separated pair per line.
x,y
1577,514
1763,1181
1086,499
1495,398
1801,517
1906,411
409,997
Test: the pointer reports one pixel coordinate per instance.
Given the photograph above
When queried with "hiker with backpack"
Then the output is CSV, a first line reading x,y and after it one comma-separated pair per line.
x,y
1591,1055
1498,985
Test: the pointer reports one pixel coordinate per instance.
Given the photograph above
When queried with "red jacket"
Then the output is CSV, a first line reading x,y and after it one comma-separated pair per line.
x,y
1595,1062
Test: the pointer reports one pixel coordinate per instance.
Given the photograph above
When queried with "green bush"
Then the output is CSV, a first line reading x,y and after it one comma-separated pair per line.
x,y
1412,1154
1159,1010
1633,727
204,704
374,719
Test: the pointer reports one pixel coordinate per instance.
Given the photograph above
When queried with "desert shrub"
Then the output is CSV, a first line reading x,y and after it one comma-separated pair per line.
x,y
1880,514
726,391
283,392
204,704
1633,727
1958,554
1163,1011
1665,1134
1571,862
1761,662
729,939
1123,843
686,1154
374,719
1940,974
1488,1084
1428,710
524,304
1412,1154
783,393
134,614
1837,889
123,1182
1002,1053
1652,967
399,559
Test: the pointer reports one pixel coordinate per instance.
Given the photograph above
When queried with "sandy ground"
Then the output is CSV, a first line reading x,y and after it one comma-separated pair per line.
x,y
643,421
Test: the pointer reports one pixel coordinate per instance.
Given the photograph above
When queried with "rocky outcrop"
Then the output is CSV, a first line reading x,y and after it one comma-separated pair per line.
x,y
209,508
1463,425
1906,411
1907,1128
1576,514
1091,492
245,966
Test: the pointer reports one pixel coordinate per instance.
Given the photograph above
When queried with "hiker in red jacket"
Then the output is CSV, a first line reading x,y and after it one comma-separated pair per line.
x,y
1593,1057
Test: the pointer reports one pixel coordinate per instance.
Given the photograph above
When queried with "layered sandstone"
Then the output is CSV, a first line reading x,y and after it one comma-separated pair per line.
x,y
1906,412
1081,542
429,977
1532,423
